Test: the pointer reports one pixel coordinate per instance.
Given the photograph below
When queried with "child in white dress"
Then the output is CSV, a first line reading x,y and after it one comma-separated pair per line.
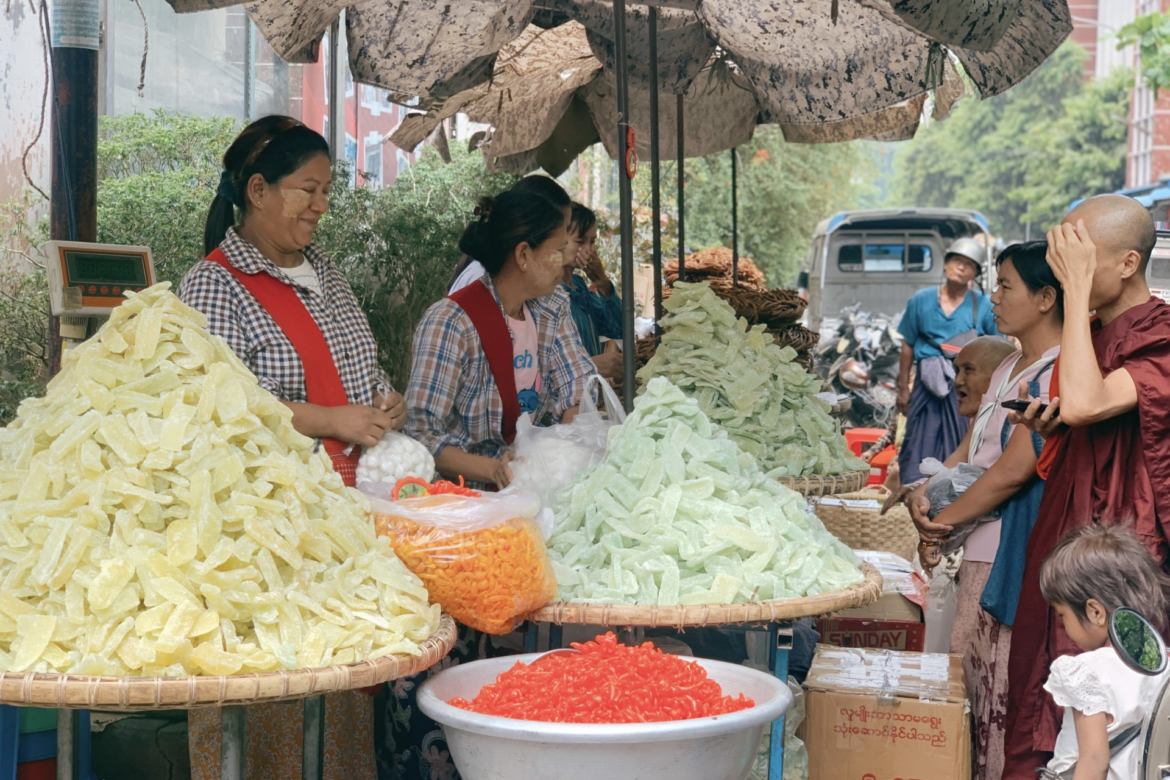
x,y
1090,573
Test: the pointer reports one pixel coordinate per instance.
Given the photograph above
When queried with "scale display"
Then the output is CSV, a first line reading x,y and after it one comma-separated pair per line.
x,y
90,279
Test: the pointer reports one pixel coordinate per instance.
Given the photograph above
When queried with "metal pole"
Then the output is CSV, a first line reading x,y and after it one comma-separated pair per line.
x,y
682,243
233,743
734,220
73,123
626,195
655,166
336,95
313,761
66,744
249,69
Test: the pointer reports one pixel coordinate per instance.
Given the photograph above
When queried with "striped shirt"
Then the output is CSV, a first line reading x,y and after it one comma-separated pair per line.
x,y
452,400
259,342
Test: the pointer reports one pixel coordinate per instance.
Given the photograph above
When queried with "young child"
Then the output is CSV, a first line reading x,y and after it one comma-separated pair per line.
x,y
1090,573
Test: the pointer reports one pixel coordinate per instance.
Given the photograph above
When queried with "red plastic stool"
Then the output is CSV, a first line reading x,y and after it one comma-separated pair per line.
x,y
859,438
879,467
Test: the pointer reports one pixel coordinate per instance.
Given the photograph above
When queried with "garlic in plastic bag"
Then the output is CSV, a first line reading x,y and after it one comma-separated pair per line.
x,y
395,457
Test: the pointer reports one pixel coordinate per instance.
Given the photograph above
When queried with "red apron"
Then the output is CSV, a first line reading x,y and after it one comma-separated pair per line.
x,y
480,305
323,383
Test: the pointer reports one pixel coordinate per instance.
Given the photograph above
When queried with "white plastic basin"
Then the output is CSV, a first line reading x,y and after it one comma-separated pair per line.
x,y
486,747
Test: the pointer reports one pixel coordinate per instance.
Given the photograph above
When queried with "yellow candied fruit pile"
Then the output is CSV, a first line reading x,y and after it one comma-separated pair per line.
x,y
485,579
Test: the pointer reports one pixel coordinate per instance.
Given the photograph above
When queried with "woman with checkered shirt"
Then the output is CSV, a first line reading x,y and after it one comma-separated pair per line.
x,y
502,347
287,312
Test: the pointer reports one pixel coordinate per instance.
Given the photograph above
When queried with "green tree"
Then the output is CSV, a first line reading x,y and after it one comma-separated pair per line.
x,y
785,189
978,157
1081,154
1151,33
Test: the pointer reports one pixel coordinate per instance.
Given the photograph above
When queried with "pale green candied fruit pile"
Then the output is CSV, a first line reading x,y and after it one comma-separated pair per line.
x,y
678,513
749,386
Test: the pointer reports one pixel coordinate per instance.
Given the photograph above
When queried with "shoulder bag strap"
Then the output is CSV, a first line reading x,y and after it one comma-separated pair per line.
x,y
481,308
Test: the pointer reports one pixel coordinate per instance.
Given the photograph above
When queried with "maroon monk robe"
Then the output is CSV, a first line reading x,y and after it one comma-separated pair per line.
x,y
1116,470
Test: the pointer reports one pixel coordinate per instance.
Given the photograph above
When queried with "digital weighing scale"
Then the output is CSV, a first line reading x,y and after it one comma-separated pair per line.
x,y
87,281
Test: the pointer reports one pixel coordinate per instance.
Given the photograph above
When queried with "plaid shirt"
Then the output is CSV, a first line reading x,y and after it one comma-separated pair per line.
x,y
452,400
259,342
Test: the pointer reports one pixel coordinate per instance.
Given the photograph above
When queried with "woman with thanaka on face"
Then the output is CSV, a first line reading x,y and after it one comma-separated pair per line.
x,y
287,312
1107,453
503,346
1028,306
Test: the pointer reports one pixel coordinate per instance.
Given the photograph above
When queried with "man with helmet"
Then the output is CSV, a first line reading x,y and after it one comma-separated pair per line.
x,y
936,325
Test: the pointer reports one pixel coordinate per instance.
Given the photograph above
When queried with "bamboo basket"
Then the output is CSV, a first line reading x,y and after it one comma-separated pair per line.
x,y
868,529
594,614
826,485
138,694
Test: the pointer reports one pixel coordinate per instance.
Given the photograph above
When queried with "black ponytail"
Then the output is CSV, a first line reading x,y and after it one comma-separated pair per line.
x,y
273,147
506,221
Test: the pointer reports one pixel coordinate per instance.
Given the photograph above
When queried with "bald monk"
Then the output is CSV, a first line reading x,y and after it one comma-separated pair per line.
x,y
1107,431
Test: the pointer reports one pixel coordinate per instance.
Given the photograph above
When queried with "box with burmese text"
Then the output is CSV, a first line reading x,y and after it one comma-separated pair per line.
x,y
886,715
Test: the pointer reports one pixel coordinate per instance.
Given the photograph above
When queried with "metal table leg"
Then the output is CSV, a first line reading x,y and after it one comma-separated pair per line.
x,y
313,766
556,636
530,635
779,643
233,746
9,739
66,743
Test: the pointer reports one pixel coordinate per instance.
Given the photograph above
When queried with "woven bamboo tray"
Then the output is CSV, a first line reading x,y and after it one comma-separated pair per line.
x,y
868,529
592,614
136,694
829,485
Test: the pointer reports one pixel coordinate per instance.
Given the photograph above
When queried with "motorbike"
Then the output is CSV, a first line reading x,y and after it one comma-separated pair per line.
x,y
859,360
1141,648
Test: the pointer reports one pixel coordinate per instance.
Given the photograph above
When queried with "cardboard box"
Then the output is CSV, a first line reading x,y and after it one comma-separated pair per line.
x,y
893,606
878,634
886,715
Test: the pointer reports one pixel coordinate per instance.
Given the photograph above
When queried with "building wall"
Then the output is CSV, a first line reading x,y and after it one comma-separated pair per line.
x,y
195,64
1085,28
22,82
1149,130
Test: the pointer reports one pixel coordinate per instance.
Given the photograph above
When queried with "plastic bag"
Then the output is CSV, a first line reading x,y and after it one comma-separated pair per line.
x,y
393,458
481,557
944,489
548,459
941,605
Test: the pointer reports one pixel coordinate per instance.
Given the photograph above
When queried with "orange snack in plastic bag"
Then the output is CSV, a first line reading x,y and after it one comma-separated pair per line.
x,y
484,577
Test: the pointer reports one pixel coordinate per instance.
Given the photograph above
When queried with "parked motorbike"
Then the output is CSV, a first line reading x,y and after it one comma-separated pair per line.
x,y
860,361
1140,646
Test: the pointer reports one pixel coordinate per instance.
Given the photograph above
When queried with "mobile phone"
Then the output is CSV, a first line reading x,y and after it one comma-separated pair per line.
x,y
1022,406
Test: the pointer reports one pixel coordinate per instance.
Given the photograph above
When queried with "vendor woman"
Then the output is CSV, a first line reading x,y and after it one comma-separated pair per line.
x,y
503,346
290,316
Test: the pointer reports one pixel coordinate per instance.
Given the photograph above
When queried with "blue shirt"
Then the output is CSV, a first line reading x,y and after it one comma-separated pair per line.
x,y
925,324
596,316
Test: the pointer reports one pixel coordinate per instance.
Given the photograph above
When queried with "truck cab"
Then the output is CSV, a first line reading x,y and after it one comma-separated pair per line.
x,y
879,258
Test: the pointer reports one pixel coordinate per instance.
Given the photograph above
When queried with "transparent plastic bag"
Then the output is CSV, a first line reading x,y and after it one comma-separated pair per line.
x,y
481,557
943,489
549,458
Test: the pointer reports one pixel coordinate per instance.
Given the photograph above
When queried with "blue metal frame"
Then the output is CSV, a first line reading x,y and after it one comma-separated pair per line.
x,y
38,744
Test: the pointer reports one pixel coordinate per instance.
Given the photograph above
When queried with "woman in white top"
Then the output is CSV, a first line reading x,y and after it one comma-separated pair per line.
x,y
1092,572
1028,305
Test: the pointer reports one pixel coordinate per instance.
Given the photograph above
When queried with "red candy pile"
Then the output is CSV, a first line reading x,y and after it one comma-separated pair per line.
x,y
605,683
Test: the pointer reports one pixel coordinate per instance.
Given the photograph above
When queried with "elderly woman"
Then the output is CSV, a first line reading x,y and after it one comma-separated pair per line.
x,y
1029,306
287,312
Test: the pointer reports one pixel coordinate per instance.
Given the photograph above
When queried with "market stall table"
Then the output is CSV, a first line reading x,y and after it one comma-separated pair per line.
x,y
772,617
232,693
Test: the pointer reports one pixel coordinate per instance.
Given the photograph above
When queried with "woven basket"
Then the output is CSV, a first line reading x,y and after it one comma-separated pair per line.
x,y
592,614
136,694
826,485
798,337
868,529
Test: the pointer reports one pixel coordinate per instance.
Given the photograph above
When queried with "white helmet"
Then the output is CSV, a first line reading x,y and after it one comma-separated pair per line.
x,y
969,249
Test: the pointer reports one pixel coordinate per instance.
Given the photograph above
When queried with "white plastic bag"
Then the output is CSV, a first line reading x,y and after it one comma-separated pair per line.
x,y
548,459
941,604
395,457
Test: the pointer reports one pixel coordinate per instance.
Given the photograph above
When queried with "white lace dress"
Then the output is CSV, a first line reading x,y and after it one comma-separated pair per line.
x,y
1099,681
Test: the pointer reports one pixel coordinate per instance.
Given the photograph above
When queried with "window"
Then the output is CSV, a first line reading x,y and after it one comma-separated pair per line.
x,y
351,158
885,258
373,166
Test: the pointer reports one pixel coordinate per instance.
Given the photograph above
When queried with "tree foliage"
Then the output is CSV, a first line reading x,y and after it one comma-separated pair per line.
x,y
1048,141
1151,33
784,190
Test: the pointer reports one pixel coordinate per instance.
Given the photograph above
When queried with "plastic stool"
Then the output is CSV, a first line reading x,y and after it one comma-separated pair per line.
x,y
37,770
860,438
37,747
